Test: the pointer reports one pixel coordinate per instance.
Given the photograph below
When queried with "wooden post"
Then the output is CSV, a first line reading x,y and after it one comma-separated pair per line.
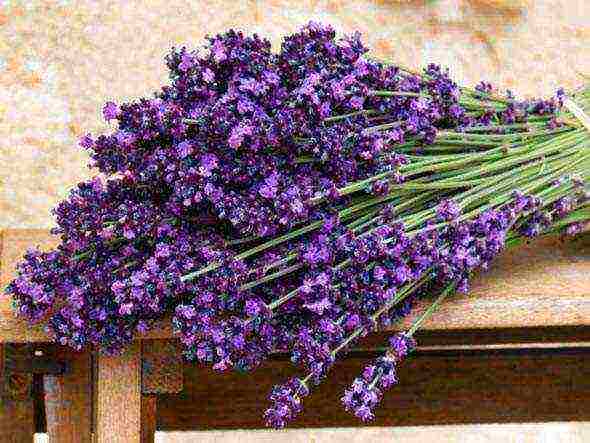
x,y
17,416
148,418
118,397
161,373
161,367
68,399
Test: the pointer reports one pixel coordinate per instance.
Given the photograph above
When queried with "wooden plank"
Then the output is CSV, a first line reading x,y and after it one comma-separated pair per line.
x,y
118,397
555,336
435,388
573,339
68,405
17,421
161,367
148,418
545,283
17,415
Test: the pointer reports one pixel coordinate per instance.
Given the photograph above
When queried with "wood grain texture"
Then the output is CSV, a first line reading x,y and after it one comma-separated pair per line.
x,y
17,417
544,283
118,397
161,367
550,336
148,418
434,388
68,405
436,349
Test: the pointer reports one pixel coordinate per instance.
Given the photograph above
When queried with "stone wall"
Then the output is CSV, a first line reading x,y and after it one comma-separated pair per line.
x,y
61,60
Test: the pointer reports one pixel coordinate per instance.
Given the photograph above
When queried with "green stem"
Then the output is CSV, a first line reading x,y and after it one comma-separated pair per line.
x,y
448,290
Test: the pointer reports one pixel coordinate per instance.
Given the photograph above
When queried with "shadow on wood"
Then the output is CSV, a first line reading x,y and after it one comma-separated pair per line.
x,y
435,388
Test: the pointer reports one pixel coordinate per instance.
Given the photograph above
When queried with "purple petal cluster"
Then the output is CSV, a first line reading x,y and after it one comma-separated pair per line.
x,y
366,391
286,400
245,134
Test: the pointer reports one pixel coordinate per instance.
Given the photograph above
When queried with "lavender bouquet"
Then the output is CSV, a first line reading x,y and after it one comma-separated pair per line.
x,y
298,201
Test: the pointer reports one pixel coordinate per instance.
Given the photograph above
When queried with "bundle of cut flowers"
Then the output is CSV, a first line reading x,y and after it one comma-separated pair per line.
x,y
296,201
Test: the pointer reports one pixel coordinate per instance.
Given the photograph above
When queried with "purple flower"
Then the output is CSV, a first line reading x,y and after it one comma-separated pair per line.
x,y
187,62
366,391
356,102
163,250
208,75
448,210
208,163
125,309
227,206
86,142
253,307
401,345
184,149
286,402
110,111
484,87
318,307
269,186
237,135
575,228
218,51
564,206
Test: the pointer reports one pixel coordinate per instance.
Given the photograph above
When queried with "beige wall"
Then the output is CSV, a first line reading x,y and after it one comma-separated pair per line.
x,y
61,60
509,433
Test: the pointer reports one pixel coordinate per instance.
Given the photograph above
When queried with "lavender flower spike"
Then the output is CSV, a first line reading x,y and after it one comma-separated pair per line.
x,y
366,391
286,402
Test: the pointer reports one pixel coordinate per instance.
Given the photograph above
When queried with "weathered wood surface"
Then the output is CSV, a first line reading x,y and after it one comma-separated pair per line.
x,y
68,399
148,418
545,283
512,375
117,403
435,387
17,414
161,367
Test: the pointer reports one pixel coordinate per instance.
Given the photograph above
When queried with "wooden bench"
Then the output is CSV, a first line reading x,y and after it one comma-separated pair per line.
x,y
514,350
